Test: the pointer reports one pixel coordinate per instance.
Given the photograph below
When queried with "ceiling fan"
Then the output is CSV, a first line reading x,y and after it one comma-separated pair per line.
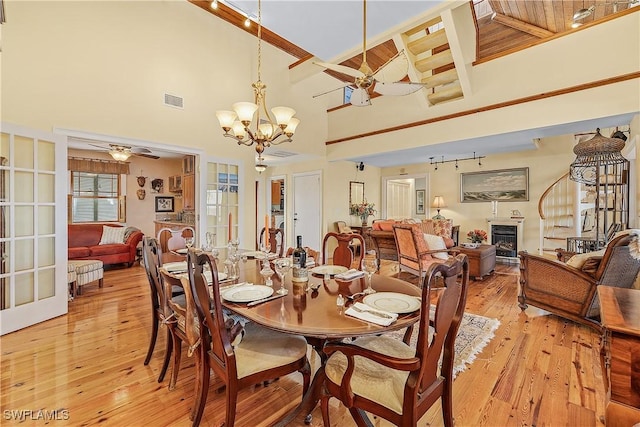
x,y
385,80
123,152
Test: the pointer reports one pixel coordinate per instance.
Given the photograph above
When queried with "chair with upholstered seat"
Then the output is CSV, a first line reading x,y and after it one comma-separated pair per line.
x,y
569,290
414,256
263,354
385,376
310,254
343,253
160,312
276,240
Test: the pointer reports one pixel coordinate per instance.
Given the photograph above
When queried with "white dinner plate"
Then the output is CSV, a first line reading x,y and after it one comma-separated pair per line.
x,y
221,276
259,255
175,266
392,302
247,293
329,269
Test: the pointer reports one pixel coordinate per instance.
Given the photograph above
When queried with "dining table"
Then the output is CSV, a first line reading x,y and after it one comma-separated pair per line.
x,y
311,308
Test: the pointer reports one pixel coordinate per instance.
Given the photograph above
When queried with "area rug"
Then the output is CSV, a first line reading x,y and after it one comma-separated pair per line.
x,y
474,334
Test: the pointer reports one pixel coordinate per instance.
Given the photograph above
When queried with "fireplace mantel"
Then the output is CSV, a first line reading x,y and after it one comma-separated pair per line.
x,y
515,222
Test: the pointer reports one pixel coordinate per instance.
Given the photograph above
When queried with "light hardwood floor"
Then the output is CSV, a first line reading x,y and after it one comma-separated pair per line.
x,y
538,370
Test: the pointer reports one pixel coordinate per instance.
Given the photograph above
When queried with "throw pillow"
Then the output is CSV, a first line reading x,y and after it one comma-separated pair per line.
x,y
436,243
111,235
128,232
578,260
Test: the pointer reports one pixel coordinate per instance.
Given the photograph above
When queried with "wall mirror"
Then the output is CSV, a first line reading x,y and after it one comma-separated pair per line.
x,y
356,192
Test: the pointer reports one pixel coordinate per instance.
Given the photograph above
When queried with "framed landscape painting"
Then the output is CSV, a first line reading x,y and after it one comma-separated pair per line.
x,y
504,185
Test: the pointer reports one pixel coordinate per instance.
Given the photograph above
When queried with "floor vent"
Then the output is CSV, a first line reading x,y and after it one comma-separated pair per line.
x,y
173,101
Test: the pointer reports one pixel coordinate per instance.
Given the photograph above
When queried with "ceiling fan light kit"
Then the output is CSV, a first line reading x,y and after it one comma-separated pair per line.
x,y
236,124
120,154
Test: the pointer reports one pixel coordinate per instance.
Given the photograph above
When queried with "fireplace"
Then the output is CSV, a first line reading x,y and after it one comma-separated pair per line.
x,y
507,234
505,237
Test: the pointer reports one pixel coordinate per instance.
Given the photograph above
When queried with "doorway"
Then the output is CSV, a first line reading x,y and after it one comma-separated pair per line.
x,y
277,205
399,196
307,209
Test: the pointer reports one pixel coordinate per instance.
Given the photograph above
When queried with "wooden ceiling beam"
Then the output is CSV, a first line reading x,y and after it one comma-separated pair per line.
x,y
522,26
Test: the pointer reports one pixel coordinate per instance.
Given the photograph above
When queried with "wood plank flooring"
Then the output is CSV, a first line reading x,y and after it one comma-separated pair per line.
x,y
538,370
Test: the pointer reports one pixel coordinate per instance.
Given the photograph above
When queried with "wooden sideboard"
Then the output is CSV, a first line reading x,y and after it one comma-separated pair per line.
x,y
620,354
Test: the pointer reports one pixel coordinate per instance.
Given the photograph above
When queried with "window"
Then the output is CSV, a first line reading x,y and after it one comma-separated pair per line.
x,y
95,197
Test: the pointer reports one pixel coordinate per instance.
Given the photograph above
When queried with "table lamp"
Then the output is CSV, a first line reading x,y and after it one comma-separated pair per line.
x,y
438,203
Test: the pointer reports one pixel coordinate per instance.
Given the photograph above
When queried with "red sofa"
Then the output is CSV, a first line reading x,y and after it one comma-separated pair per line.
x,y
84,243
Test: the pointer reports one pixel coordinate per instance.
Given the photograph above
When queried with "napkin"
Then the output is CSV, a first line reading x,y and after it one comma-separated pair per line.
x,y
350,274
369,317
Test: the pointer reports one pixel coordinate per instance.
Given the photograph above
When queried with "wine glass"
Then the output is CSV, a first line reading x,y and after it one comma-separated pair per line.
x,y
189,241
369,266
283,265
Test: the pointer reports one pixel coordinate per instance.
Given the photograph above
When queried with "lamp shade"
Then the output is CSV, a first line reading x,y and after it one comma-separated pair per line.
x,y
438,202
283,115
226,118
245,110
120,155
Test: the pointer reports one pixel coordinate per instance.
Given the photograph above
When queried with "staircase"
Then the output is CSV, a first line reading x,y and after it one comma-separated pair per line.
x,y
429,51
557,207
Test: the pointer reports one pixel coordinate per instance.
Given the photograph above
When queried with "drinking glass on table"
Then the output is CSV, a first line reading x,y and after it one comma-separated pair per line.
x,y
189,241
369,266
283,265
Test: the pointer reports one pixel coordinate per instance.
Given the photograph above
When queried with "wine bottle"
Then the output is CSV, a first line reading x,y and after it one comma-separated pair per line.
x,y
299,254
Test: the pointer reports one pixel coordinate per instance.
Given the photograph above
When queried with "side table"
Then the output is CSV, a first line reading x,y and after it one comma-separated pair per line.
x,y
620,354
364,232
482,260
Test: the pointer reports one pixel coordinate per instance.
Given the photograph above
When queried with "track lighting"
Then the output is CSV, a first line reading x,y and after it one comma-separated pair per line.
x,y
436,162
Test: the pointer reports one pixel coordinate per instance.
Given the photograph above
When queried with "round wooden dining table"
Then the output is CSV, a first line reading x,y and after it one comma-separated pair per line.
x,y
310,309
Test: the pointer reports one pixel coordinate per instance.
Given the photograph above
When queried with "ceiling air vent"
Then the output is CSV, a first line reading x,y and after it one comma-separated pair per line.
x,y
281,154
173,101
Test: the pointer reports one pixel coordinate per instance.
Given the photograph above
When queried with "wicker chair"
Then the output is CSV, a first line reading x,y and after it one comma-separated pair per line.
x,y
570,292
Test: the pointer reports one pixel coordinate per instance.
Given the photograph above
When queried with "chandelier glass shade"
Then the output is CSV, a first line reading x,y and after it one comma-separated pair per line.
x,y
251,122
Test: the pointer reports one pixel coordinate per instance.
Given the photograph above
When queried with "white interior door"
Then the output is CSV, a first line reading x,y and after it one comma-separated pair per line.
x,y
33,233
307,209
399,199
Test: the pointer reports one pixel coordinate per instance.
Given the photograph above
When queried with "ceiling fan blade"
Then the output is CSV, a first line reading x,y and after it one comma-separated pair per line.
x,y
150,156
393,70
360,98
140,150
341,69
332,90
397,88
100,146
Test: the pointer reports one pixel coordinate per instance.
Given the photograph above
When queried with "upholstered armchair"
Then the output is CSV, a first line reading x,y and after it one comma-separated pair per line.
x,y
569,290
414,255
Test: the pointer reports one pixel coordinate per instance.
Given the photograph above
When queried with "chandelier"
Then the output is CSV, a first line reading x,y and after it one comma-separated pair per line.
x,y
237,124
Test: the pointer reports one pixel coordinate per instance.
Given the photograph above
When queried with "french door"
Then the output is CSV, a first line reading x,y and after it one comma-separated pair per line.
x,y
33,237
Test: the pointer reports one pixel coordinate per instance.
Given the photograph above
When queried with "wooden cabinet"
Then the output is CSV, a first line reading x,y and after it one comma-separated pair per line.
x,y
175,184
189,192
620,354
275,193
188,165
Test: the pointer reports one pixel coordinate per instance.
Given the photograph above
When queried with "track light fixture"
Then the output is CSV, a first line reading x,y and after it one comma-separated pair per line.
x,y
436,162
585,12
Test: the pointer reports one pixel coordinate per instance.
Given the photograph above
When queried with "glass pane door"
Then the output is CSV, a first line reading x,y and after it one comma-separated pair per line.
x,y
33,258
222,202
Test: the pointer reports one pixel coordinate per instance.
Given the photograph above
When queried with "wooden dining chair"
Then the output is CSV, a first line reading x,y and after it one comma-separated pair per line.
x,y
343,228
343,253
262,354
181,324
160,312
311,253
170,240
385,376
276,240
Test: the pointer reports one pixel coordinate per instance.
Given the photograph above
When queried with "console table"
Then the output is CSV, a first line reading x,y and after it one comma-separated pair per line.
x,y
620,354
